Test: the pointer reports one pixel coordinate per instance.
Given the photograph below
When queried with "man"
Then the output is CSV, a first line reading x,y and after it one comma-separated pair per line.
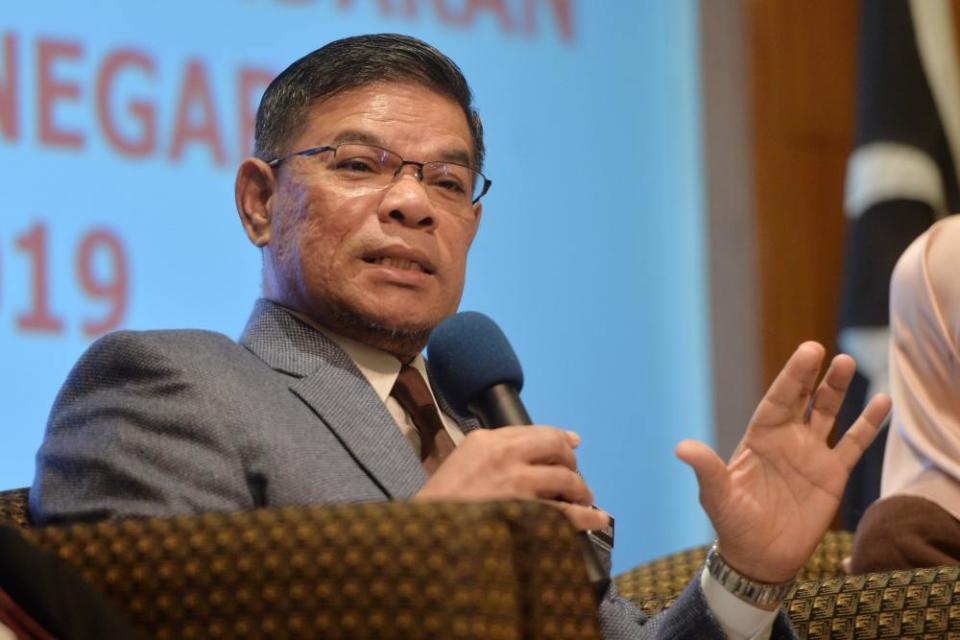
x,y
365,197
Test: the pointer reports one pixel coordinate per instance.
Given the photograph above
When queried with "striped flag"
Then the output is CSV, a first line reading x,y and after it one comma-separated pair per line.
x,y
901,177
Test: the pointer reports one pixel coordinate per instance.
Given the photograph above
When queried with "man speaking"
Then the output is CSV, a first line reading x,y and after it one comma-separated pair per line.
x,y
364,195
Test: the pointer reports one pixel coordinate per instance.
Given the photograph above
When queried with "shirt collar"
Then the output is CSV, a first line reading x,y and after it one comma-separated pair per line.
x,y
377,366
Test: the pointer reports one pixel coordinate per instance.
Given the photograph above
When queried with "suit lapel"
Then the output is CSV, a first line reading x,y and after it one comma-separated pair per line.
x,y
332,386
353,411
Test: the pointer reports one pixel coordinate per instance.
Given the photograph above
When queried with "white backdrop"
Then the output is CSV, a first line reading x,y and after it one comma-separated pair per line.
x,y
121,124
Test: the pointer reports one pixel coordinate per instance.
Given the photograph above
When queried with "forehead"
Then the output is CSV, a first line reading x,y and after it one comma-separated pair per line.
x,y
407,118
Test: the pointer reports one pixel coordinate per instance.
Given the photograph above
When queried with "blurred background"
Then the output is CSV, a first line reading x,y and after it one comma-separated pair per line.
x,y
666,222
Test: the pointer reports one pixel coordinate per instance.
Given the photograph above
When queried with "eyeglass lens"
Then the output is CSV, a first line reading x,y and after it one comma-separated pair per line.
x,y
366,165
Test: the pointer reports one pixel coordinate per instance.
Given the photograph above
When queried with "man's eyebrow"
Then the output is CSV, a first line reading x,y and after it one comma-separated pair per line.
x,y
449,155
358,136
456,155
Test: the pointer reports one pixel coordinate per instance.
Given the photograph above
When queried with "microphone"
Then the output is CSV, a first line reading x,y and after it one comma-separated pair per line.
x,y
477,371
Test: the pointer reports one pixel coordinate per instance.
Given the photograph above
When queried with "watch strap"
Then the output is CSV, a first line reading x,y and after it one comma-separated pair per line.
x,y
750,591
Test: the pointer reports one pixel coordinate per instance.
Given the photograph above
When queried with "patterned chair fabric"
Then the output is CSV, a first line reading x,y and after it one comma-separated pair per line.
x,y
497,570
923,604
13,507
504,570
665,577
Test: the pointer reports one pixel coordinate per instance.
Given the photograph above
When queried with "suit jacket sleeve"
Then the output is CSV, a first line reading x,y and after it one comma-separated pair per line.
x,y
688,619
132,434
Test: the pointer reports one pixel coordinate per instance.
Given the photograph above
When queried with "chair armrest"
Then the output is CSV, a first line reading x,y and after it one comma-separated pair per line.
x,y
824,604
662,580
917,603
378,570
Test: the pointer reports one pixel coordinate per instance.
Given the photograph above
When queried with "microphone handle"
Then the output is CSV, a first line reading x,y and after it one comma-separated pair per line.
x,y
500,406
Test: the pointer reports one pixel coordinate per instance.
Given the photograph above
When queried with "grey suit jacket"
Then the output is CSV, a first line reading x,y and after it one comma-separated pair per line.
x,y
166,422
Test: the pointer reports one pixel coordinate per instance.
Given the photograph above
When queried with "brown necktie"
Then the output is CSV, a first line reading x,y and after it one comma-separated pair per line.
x,y
413,395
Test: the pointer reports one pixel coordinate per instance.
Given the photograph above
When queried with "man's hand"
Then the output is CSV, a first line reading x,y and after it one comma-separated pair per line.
x,y
529,462
773,502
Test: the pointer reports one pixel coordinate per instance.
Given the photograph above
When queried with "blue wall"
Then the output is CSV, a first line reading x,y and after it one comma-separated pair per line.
x,y
590,255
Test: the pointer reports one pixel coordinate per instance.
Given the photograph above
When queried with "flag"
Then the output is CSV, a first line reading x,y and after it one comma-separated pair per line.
x,y
901,177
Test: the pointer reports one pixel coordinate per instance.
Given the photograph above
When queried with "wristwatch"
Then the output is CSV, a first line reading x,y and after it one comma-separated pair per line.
x,y
750,591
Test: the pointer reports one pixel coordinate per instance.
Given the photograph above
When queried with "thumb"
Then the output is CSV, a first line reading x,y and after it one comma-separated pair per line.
x,y
711,473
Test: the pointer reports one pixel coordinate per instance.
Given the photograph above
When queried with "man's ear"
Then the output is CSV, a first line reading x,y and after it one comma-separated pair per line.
x,y
254,190
477,214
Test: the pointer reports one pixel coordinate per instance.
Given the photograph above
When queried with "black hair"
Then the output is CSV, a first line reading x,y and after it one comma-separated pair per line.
x,y
350,63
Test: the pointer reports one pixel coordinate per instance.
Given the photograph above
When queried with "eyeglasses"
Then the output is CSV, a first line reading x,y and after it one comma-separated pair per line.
x,y
366,166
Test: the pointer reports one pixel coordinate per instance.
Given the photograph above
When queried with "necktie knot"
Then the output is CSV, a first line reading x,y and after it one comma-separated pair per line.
x,y
411,391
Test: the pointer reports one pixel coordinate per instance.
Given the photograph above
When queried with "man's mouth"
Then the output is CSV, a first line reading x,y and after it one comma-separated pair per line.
x,y
402,259
398,263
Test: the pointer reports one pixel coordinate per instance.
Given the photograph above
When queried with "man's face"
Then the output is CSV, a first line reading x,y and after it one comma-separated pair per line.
x,y
387,261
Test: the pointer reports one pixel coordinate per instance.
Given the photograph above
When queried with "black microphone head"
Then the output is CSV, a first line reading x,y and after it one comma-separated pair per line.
x,y
467,354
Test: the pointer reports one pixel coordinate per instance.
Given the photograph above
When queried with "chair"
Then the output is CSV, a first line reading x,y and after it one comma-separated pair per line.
x,y
491,570
825,604
665,577
13,507
506,570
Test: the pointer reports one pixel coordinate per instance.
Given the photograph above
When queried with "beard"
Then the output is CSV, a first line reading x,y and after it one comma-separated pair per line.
x,y
284,283
403,341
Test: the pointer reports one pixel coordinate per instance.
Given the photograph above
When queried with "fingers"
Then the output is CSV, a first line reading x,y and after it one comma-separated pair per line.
x,y
790,392
554,483
531,444
712,475
829,396
582,518
529,462
859,436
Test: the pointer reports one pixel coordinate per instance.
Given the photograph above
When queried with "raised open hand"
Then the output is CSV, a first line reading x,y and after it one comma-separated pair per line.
x,y
775,499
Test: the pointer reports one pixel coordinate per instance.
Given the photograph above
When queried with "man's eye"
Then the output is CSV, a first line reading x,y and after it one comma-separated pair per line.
x,y
357,165
449,184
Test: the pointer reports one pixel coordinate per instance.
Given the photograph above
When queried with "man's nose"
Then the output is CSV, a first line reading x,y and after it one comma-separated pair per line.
x,y
405,201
